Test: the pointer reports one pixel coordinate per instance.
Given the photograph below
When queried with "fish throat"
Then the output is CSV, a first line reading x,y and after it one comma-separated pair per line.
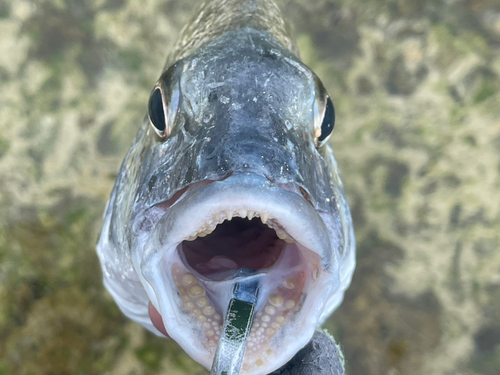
x,y
234,244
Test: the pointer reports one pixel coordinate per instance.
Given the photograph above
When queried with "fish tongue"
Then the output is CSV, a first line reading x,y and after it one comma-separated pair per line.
x,y
217,268
221,286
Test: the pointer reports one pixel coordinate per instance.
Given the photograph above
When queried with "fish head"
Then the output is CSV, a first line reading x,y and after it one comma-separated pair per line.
x,y
234,181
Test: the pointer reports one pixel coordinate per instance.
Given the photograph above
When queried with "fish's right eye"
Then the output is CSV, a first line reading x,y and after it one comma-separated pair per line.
x,y
157,111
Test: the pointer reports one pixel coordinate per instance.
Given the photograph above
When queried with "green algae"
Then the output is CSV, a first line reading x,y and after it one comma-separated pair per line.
x,y
57,319
4,146
487,89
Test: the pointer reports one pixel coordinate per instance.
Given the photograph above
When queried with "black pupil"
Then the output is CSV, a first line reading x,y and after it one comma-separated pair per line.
x,y
328,121
156,113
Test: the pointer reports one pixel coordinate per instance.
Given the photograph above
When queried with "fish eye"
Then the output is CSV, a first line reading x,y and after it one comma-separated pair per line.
x,y
328,121
156,112
324,114
164,102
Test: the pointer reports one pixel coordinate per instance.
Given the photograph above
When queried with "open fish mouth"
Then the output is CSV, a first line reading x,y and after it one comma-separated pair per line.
x,y
219,233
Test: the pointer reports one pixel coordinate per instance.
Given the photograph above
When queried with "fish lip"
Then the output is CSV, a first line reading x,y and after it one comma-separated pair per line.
x,y
233,193
189,189
185,213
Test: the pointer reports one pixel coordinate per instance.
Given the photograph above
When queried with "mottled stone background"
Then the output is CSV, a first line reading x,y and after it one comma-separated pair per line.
x,y
416,87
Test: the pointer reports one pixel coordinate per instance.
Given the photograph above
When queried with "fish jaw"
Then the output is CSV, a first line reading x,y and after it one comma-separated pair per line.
x,y
297,283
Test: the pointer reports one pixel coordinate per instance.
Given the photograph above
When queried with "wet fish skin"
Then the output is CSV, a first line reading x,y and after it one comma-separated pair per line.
x,y
243,103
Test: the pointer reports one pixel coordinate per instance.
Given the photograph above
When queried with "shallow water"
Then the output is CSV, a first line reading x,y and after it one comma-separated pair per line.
x,y
416,87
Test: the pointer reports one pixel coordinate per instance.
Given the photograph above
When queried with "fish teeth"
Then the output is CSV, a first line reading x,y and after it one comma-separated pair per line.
x,y
220,217
281,235
284,236
263,217
206,229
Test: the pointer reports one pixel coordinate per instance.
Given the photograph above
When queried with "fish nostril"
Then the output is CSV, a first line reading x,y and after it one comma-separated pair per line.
x,y
207,118
152,182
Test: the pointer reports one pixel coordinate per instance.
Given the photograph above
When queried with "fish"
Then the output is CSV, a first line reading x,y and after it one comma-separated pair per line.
x,y
231,176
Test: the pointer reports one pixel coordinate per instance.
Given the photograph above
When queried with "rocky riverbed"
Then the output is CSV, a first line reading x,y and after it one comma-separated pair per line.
x,y
416,88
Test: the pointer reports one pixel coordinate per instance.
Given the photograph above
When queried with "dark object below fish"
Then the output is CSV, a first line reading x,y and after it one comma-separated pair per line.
x,y
322,356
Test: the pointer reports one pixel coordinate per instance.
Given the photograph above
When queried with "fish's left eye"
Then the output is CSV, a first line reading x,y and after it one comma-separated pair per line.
x,y
324,114
328,121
